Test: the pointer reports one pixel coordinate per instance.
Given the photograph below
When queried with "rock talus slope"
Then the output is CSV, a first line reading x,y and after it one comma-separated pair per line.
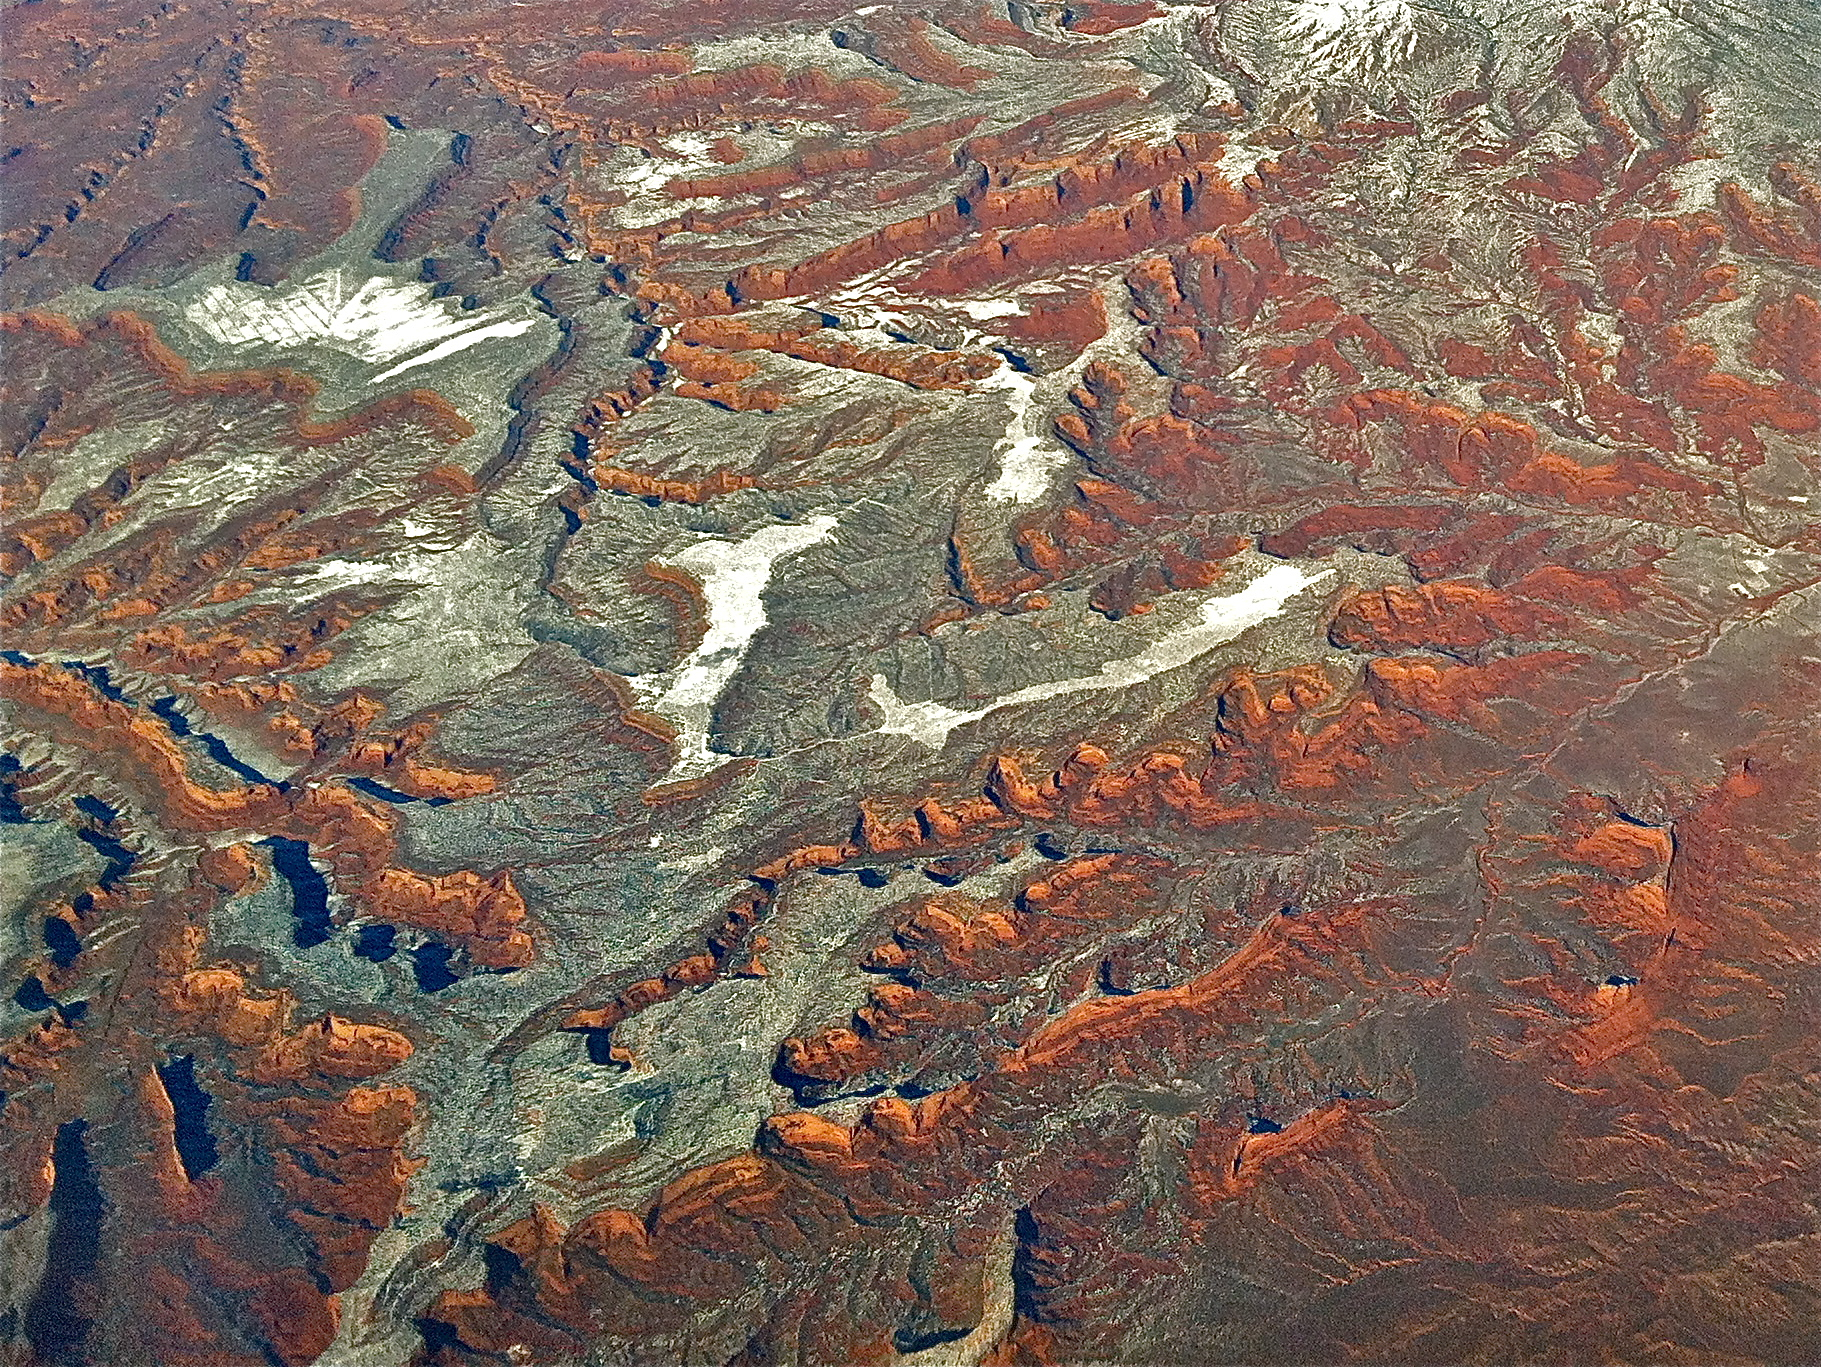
x,y
970,683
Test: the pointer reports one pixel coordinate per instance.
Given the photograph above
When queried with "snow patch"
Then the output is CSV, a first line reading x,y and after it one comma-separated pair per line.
x,y
733,576
1027,461
1353,37
981,310
332,573
375,320
1221,620
646,176
1239,160
695,863
1029,455
512,328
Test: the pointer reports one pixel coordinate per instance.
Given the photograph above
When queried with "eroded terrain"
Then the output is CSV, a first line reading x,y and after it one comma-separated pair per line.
x,y
975,683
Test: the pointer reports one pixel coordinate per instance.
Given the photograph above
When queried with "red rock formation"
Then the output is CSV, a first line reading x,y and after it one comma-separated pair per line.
x,y
1442,615
969,962
811,1185
893,149
921,369
272,1201
1369,985
1788,233
485,916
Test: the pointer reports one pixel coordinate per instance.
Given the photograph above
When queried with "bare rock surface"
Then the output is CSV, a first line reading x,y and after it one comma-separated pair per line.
x,y
966,683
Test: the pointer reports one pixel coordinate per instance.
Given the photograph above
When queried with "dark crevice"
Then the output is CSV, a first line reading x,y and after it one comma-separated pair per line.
x,y
61,939
600,1048
503,1267
1110,980
309,890
827,1092
811,1092
439,1337
914,1090
166,708
578,466
119,859
376,943
957,573
98,810
12,813
522,401
55,1325
98,676
913,1341
430,966
196,1148
1025,1296
32,997
375,789
898,975
947,878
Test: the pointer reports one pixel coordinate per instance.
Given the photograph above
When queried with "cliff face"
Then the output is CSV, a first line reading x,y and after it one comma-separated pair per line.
x,y
972,684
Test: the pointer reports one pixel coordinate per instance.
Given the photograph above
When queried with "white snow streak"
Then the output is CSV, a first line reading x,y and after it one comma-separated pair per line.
x,y
1029,454
1027,459
1353,37
376,320
733,575
1222,619
460,342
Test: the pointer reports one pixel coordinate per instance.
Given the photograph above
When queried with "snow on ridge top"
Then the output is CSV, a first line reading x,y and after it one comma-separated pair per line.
x,y
1325,18
1352,37
377,320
